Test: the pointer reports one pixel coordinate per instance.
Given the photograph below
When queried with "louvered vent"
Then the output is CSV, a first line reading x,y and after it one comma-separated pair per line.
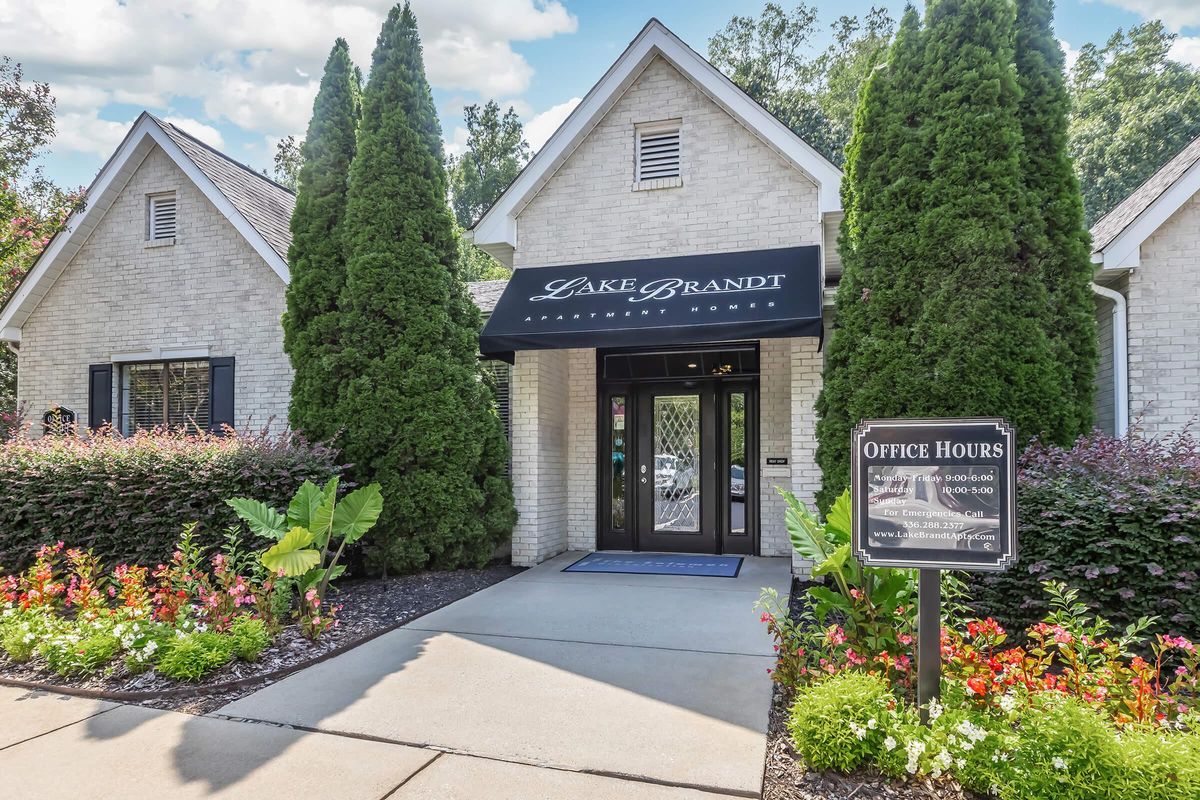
x,y
658,153
162,217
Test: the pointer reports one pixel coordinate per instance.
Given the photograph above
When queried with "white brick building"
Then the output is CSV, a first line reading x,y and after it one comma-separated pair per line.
x,y
673,247
160,302
1147,257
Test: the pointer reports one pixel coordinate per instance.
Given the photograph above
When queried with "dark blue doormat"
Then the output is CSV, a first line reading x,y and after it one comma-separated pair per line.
x,y
659,564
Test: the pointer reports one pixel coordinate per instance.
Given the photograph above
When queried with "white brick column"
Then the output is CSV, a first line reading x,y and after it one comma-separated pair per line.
x,y
774,441
539,454
581,484
807,362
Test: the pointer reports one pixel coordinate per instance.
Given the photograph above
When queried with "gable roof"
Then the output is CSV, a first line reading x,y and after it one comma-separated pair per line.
x,y
256,206
1119,234
496,231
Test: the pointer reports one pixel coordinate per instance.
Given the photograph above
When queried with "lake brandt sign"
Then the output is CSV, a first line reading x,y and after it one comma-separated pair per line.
x,y
935,493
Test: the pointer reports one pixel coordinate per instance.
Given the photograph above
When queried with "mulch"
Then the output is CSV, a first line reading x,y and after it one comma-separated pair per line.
x,y
370,607
786,778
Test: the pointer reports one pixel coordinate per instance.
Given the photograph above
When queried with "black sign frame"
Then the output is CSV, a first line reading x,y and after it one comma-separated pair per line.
x,y
930,432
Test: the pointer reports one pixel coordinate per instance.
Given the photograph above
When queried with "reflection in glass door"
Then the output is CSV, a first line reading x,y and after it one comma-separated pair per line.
x,y
676,451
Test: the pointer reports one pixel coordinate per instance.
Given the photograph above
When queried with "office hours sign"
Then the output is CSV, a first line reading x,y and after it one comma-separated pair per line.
x,y
934,493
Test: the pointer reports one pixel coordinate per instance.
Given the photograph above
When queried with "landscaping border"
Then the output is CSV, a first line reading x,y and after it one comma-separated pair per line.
x,y
217,688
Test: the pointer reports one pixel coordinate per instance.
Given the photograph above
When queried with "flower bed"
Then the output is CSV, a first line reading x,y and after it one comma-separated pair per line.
x,y
1080,710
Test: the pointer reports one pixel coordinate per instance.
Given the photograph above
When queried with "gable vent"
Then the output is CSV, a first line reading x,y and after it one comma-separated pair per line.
x,y
162,217
658,153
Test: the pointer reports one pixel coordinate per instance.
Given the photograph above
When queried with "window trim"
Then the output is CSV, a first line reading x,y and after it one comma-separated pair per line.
x,y
152,239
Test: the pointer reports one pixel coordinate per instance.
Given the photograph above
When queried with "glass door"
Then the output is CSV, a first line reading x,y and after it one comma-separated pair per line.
x,y
737,478
676,451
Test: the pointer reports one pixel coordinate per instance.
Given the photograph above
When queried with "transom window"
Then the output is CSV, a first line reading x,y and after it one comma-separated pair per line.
x,y
162,216
165,393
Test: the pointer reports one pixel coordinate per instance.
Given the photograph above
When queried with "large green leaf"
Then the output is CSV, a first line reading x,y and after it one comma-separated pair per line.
x,y
292,554
260,517
837,559
357,512
805,530
304,505
322,517
838,523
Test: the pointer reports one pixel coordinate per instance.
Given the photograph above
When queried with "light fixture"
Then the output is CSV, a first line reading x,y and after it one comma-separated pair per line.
x,y
691,366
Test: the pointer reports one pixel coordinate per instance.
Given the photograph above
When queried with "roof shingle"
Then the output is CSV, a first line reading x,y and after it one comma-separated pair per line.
x,y
264,203
1114,223
486,294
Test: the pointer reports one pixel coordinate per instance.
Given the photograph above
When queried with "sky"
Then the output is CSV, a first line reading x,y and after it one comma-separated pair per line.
x,y
241,74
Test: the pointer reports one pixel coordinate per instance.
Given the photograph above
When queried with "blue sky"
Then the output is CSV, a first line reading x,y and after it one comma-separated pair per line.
x,y
242,73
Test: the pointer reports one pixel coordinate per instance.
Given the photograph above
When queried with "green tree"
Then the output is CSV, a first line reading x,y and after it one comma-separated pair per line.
x,y
1133,108
1055,241
815,92
419,420
983,347
289,158
872,367
316,259
496,152
32,208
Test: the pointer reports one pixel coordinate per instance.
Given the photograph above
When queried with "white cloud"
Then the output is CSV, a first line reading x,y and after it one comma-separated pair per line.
x,y
1069,53
252,63
542,126
205,133
85,132
1175,14
1187,50
456,145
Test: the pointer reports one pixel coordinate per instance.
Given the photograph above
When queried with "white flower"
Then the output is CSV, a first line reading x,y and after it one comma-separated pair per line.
x,y
914,749
871,723
1007,702
889,743
961,763
1059,763
858,730
935,710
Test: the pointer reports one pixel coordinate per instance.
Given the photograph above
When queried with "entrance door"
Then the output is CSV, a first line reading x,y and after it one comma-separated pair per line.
x,y
675,481
678,468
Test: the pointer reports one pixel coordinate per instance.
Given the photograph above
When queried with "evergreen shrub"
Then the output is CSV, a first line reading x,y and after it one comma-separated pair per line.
x,y
126,498
1118,518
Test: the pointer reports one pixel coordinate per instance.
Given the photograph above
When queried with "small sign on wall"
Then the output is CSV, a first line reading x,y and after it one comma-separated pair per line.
x,y
58,421
777,462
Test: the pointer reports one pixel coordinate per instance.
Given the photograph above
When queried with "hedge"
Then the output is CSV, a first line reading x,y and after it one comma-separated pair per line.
x,y
1117,517
127,498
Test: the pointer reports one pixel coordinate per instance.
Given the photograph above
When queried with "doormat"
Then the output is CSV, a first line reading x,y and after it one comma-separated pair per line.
x,y
659,564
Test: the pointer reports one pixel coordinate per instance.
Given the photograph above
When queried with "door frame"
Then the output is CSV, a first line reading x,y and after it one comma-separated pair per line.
x,y
717,390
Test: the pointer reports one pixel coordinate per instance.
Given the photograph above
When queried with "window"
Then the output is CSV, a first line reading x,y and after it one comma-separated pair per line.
x,y
161,213
658,152
170,393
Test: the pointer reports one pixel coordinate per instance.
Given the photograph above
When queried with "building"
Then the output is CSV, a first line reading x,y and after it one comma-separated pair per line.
x,y
658,347
160,302
1147,257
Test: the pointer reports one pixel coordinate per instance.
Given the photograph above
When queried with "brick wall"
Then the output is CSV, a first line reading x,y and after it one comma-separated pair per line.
x,y
736,194
1164,326
209,289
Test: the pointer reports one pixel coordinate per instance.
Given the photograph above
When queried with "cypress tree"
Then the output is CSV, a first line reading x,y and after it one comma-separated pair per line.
x,y
418,419
870,359
315,258
1056,240
980,333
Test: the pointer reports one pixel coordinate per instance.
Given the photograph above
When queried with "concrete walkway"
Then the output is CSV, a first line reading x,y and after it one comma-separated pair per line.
x,y
547,685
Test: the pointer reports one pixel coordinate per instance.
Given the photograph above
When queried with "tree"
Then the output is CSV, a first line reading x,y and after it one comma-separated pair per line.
x,y
815,93
289,159
1133,108
496,152
983,347
871,364
418,419
32,208
316,259
1054,240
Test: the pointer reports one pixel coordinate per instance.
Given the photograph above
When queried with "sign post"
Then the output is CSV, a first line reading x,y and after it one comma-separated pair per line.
x,y
934,494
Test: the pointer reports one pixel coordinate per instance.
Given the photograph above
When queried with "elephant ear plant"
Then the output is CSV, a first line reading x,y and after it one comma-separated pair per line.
x,y
311,537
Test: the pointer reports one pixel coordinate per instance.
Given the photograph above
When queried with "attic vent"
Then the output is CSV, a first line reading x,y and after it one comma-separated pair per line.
x,y
658,151
162,217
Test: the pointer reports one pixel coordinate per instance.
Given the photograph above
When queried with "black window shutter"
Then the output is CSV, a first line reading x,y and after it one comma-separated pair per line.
x,y
220,394
99,395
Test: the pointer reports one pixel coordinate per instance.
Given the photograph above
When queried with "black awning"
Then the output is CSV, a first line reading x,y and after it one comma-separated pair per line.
x,y
681,300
